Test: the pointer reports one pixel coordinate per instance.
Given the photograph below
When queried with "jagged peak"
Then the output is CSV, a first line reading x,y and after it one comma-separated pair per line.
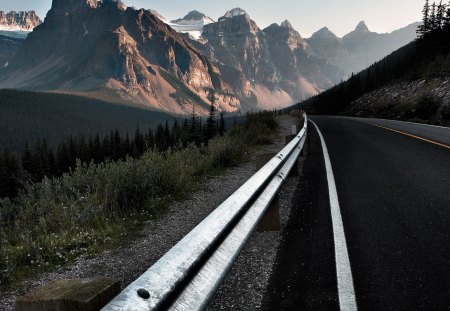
x,y
233,13
287,24
324,32
194,15
362,27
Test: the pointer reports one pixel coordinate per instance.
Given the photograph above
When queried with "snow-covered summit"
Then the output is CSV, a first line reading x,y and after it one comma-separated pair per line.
x,y
233,13
191,24
192,17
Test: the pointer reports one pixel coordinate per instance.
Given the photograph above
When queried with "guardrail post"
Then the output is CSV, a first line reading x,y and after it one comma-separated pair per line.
x,y
294,170
271,219
70,295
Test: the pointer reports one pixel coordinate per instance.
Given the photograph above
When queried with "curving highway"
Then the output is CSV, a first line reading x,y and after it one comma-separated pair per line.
x,y
392,182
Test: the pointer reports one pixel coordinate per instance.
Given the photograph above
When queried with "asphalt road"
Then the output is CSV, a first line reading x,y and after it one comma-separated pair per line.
x,y
394,195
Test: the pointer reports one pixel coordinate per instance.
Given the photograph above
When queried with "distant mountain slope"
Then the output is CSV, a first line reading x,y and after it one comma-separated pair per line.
x,y
360,48
271,67
86,46
132,52
413,83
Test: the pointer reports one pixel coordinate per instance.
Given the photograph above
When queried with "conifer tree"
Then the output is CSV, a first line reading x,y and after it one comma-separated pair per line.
x,y
167,141
150,141
211,123
440,15
221,124
425,27
432,18
447,16
194,129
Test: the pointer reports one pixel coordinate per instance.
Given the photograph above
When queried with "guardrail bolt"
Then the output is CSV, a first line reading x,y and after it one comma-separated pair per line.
x,y
143,293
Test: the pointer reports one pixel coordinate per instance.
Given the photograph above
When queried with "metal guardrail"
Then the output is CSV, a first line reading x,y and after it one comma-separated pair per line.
x,y
189,274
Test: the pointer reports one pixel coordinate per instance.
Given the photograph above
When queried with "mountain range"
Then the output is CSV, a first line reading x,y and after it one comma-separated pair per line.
x,y
91,48
360,48
23,20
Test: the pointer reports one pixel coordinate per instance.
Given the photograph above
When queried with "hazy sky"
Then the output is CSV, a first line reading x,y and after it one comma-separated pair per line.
x,y
307,16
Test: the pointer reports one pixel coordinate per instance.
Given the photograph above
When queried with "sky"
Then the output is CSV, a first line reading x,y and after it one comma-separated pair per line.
x,y
307,16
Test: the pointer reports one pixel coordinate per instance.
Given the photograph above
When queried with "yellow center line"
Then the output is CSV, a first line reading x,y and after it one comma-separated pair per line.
x,y
414,136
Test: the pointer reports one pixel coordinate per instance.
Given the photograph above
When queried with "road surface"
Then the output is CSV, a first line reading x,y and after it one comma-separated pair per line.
x,y
393,194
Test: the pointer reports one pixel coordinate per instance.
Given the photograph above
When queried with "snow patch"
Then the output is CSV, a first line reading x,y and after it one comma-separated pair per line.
x,y
233,13
14,28
192,27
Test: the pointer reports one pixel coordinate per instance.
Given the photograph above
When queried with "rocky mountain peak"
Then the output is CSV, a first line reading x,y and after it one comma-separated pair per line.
x,y
324,33
194,16
233,13
362,27
287,24
23,20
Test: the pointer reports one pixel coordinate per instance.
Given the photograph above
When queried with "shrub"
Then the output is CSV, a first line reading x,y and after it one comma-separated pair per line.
x,y
445,112
57,220
426,107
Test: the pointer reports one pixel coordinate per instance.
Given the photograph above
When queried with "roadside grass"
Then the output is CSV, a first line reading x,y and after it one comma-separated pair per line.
x,y
92,208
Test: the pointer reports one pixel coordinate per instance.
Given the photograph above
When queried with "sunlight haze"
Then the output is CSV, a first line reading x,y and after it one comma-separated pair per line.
x,y
340,16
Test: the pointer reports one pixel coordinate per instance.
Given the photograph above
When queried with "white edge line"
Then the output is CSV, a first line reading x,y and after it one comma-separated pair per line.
x,y
346,290
396,121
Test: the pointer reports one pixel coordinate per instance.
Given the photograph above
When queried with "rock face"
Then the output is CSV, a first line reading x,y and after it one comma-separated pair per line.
x,y
270,67
86,46
89,46
23,20
360,48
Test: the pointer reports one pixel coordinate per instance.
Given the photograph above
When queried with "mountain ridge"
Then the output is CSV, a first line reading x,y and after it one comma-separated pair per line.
x,y
19,21
149,54
170,66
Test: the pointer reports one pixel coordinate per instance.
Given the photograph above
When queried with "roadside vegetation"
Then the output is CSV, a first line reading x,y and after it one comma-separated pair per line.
x,y
54,221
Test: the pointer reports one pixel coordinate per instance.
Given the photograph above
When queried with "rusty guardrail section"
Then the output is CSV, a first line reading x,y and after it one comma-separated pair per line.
x,y
189,274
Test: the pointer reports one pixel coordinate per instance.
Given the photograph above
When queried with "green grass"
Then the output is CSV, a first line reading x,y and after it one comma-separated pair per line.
x,y
53,222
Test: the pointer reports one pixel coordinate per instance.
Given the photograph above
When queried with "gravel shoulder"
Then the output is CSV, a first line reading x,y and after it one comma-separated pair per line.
x,y
245,286
247,282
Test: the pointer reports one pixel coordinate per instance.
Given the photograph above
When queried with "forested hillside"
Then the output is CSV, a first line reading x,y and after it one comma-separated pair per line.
x,y
28,117
426,58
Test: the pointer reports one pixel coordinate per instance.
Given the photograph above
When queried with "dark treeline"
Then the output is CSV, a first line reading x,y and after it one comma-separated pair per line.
x,y
33,164
407,62
28,117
